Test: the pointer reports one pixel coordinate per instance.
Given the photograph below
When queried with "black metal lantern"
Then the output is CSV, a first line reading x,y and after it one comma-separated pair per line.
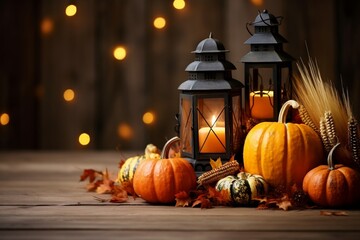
x,y
210,114
268,70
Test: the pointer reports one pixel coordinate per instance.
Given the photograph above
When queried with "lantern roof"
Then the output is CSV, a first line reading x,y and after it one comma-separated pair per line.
x,y
266,38
199,66
265,19
266,57
214,84
266,30
266,42
210,45
210,70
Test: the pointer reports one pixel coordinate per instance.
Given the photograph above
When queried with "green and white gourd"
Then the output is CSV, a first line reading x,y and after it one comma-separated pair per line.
x,y
243,188
127,170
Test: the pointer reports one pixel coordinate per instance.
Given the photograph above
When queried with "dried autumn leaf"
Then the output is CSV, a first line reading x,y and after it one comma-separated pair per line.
x,y
203,202
215,164
219,198
121,163
91,174
92,186
119,195
284,203
182,199
107,185
129,188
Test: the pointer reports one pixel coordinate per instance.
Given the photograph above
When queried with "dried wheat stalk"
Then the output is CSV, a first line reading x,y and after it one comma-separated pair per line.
x,y
329,112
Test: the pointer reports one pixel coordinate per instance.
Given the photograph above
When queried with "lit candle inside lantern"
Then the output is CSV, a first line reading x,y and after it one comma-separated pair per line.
x,y
209,142
260,106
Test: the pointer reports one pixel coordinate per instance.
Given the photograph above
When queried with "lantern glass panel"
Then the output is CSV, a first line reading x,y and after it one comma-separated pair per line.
x,y
236,121
211,125
186,123
261,97
286,87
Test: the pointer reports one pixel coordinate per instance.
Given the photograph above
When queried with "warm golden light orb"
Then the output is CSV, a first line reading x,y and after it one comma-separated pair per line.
x,y
84,139
69,95
70,10
179,4
125,131
159,22
4,119
148,118
120,53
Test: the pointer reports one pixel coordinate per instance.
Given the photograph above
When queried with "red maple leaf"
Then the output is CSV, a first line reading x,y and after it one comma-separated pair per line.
x,y
182,199
91,174
119,195
107,185
202,201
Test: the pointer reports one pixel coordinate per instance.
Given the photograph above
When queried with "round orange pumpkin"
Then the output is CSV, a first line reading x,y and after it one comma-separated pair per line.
x,y
282,152
158,180
332,185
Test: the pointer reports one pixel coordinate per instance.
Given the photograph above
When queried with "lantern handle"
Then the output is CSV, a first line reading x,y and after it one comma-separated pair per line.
x,y
247,28
278,18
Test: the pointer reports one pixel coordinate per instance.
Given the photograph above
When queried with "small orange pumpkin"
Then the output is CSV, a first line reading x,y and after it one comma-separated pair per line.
x,y
158,180
282,152
332,185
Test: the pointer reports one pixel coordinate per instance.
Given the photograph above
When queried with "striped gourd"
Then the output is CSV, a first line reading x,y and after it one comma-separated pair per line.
x,y
127,170
243,188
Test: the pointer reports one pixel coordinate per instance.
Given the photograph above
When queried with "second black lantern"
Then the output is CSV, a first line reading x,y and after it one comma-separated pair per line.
x,y
268,70
210,114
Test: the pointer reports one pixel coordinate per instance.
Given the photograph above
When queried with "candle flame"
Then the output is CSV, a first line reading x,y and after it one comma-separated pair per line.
x,y
213,121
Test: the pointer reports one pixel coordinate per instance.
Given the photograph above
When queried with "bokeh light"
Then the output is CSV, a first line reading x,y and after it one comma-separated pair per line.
x,y
179,4
119,53
47,26
4,119
148,118
257,3
69,95
159,22
70,10
84,139
125,131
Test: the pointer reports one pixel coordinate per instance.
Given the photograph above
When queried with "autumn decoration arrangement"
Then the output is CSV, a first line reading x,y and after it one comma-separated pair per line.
x,y
285,165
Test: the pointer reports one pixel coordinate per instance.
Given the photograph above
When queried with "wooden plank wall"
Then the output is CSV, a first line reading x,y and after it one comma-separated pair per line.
x,y
36,68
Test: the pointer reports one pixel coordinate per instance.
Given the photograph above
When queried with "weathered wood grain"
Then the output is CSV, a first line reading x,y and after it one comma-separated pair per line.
x,y
41,198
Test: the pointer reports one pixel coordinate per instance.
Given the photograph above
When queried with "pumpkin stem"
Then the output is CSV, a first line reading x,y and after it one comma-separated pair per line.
x,y
330,159
285,108
167,146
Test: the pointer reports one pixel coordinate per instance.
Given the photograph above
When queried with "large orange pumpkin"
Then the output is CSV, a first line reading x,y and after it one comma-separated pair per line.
x,y
333,185
282,152
158,180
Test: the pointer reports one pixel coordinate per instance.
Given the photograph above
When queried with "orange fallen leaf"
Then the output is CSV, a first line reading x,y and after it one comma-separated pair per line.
x,y
122,161
182,199
219,198
92,186
119,195
107,185
215,164
203,202
91,174
284,203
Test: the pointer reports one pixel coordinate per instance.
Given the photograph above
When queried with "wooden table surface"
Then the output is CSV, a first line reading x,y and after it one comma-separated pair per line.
x,y
41,198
